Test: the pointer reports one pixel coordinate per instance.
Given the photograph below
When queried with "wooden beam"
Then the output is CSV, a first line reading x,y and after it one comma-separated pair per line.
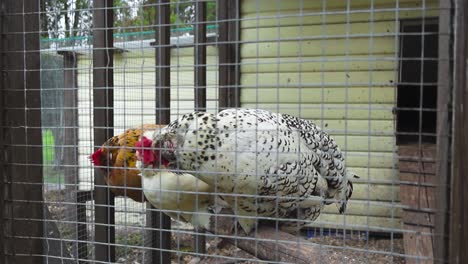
x,y
200,55
444,90
2,138
160,222
266,243
200,42
228,50
23,211
417,172
103,103
163,61
458,246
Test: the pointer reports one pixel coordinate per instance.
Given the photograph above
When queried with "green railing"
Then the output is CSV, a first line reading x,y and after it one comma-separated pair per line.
x,y
123,34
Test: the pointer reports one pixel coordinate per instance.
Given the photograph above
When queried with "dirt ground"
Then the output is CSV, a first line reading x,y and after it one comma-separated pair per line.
x,y
335,248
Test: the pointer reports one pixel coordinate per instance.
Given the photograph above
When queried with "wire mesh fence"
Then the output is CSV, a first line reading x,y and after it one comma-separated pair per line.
x,y
302,105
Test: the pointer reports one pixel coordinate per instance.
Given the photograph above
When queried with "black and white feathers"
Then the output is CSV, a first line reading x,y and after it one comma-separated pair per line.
x,y
265,165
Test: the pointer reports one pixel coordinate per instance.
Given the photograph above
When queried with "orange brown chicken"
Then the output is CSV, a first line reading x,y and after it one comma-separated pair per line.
x,y
117,158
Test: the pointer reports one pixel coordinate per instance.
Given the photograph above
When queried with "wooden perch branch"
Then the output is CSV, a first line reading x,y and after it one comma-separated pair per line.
x,y
267,243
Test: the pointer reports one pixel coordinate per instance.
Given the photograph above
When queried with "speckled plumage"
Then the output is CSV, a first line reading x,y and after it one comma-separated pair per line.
x,y
180,195
264,164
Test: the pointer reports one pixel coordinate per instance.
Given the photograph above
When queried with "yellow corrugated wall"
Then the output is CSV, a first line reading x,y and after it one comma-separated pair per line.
x,y
336,65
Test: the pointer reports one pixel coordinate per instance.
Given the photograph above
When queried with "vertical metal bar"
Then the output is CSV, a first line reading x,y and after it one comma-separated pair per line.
x,y
160,222
199,242
458,248
200,56
24,212
443,132
103,102
228,16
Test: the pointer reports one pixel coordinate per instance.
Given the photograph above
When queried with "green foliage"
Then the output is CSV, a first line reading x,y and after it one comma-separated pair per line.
x,y
182,15
48,146
51,175
77,21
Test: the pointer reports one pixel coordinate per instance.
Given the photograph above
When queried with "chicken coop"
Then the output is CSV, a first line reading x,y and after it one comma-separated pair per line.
x,y
376,86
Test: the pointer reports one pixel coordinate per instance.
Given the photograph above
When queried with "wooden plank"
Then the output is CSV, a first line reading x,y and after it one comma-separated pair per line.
x,y
325,95
365,143
340,79
418,200
301,33
458,248
318,111
317,64
23,211
372,160
281,6
384,12
368,208
375,175
375,127
376,192
103,124
356,222
418,244
325,47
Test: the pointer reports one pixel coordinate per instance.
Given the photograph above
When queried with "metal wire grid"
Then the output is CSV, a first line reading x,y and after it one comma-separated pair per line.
x,y
297,58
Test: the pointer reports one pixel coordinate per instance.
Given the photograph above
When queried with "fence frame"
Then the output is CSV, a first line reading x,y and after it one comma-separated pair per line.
x,y
443,134
20,75
103,123
458,218
22,199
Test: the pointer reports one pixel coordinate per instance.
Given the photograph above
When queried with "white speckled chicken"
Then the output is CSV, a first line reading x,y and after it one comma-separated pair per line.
x,y
181,195
265,165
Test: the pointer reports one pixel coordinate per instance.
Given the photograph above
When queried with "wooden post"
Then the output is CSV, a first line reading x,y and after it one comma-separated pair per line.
x,y
23,212
103,102
2,138
200,55
160,222
228,50
458,246
199,242
444,90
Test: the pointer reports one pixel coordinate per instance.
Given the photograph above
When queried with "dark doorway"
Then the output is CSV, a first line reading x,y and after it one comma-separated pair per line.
x,y
417,92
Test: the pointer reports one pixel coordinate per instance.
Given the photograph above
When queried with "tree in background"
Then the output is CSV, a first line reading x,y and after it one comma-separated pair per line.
x,y
182,15
73,18
65,18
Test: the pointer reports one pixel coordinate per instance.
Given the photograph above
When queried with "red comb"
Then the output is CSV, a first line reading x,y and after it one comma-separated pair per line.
x,y
95,157
143,145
